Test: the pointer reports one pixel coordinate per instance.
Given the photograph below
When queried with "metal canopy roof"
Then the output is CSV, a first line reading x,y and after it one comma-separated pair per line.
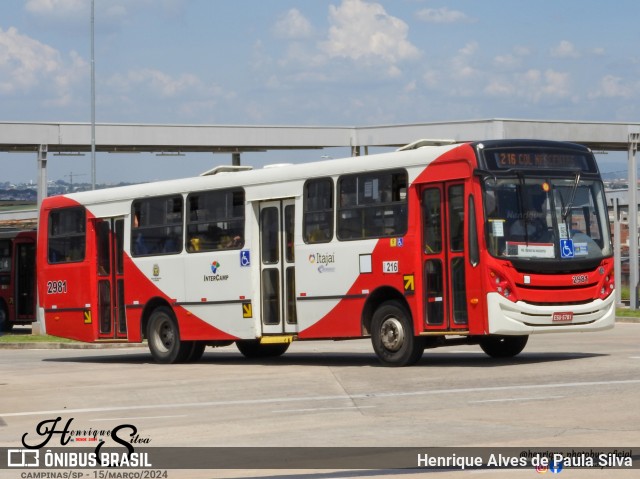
x,y
117,137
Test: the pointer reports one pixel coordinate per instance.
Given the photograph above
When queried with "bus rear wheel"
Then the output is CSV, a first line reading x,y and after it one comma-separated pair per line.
x,y
392,336
498,346
252,348
164,338
5,325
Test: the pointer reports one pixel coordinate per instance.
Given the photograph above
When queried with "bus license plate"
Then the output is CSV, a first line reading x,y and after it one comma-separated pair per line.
x,y
562,317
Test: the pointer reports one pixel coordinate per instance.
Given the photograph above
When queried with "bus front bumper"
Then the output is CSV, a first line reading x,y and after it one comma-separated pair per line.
x,y
509,318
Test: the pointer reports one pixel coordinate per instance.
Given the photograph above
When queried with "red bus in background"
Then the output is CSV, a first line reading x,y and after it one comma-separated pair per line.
x,y
18,299
431,245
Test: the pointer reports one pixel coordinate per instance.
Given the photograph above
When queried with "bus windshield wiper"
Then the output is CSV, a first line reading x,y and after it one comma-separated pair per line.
x,y
569,206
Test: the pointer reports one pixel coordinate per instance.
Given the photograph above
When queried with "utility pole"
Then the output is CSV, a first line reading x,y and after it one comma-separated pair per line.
x,y
70,176
93,101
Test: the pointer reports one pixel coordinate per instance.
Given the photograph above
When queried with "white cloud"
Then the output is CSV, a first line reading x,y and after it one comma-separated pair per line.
x,y
152,95
60,13
556,84
431,78
613,87
27,65
462,61
521,50
533,85
56,7
500,87
411,86
156,81
293,24
511,60
363,31
506,61
107,12
564,49
443,15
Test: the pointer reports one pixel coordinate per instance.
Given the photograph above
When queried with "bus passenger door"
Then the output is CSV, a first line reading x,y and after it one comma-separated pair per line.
x,y
110,271
25,279
277,267
443,213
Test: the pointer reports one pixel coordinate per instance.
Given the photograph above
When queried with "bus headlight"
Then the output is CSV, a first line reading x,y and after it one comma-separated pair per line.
x,y
607,286
501,285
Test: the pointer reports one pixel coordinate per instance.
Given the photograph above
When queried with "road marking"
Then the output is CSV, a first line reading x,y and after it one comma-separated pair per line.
x,y
323,409
136,418
634,357
515,399
381,395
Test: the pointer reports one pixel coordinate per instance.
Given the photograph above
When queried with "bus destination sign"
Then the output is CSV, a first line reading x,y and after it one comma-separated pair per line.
x,y
536,159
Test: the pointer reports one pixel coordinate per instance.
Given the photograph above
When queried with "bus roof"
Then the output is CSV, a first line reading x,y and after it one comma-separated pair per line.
x,y
266,176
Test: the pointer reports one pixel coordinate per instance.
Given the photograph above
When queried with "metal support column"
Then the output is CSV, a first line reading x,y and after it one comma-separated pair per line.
x,y
42,174
235,159
38,327
616,250
633,221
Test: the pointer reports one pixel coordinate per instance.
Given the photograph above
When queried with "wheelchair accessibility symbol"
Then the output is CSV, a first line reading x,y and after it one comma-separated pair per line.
x,y
245,257
566,248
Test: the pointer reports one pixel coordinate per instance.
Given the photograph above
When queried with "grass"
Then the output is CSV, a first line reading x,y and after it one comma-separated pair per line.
x,y
627,313
30,338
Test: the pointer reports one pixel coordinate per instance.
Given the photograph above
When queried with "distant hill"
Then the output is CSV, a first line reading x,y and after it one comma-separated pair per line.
x,y
16,205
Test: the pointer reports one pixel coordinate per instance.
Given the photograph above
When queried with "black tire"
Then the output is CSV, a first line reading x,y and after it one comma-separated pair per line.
x,y
252,348
196,351
498,346
163,337
392,336
5,325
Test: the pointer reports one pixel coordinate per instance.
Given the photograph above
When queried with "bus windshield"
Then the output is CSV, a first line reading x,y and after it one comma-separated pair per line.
x,y
546,218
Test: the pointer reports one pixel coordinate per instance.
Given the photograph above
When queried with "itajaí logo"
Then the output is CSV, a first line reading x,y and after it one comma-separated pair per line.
x,y
323,260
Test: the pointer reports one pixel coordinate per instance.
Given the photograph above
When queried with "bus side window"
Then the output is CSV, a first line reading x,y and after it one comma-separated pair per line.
x,y
456,217
372,205
157,226
5,262
66,235
216,220
318,211
5,256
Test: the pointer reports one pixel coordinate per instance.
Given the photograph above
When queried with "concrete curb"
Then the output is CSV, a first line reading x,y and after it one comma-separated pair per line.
x,y
52,345
624,319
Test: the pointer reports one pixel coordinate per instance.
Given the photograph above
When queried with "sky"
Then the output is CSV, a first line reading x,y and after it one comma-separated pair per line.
x,y
286,62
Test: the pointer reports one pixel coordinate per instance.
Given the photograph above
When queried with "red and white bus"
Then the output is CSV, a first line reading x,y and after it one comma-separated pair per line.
x,y
18,300
477,243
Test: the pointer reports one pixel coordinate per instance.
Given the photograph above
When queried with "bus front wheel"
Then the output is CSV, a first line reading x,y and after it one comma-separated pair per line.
x,y
164,338
392,336
498,346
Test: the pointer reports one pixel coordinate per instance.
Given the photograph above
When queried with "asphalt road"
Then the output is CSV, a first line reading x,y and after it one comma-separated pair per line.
x,y
564,391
